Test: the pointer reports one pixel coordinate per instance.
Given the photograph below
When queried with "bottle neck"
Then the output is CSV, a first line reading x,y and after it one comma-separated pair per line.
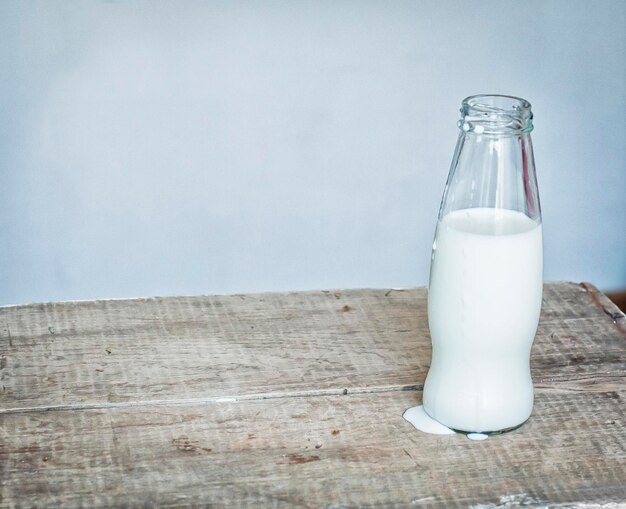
x,y
493,164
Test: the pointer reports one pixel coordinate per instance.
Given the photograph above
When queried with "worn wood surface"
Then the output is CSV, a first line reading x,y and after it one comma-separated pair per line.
x,y
287,400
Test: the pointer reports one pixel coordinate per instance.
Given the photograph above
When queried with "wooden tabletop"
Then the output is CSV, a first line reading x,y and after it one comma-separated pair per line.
x,y
293,400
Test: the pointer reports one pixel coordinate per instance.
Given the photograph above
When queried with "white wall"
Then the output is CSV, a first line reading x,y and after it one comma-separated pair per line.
x,y
211,147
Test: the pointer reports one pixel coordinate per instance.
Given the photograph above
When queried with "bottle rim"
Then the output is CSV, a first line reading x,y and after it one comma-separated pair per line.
x,y
496,114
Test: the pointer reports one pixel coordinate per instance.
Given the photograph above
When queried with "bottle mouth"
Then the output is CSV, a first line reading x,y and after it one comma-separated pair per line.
x,y
496,114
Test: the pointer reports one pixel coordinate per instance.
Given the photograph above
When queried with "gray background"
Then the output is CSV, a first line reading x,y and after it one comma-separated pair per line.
x,y
212,147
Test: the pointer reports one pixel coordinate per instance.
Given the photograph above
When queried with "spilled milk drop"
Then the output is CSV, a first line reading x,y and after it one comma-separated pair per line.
x,y
477,436
418,417
421,421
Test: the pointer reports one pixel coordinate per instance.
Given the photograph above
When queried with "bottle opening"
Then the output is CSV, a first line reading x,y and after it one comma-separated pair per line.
x,y
496,114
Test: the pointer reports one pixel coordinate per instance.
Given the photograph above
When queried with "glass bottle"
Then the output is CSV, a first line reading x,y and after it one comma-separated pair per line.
x,y
486,273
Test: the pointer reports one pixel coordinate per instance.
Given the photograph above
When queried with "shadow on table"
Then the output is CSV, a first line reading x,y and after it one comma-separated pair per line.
x,y
619,298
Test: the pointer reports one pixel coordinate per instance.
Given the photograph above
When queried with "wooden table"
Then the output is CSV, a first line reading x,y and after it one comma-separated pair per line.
x,y
293,400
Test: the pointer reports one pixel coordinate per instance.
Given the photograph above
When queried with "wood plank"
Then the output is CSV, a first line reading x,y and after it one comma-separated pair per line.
x,y
203,347
268,345
314,452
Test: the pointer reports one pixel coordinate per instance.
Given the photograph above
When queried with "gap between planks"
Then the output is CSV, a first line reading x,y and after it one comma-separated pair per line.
x,y
539,385
212,399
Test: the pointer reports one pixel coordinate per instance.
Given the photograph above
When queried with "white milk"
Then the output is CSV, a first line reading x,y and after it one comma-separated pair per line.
x,y
484,300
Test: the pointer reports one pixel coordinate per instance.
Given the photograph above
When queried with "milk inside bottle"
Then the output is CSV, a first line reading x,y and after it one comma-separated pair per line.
x,y
486,273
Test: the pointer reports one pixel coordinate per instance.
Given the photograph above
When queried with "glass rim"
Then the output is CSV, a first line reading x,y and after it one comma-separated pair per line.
x,y
496,114
489,100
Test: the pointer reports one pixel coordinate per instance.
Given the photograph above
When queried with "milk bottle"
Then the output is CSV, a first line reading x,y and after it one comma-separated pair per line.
x,y
486,273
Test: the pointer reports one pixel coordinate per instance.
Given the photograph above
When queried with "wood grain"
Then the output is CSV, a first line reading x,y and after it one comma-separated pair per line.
x,y
248,346
210,347
315,452
293,400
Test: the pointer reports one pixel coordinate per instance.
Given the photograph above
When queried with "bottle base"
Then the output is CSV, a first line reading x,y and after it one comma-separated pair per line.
x,y
490,433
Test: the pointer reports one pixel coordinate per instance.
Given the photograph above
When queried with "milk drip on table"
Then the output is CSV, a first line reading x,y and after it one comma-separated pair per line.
x,y
486,273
